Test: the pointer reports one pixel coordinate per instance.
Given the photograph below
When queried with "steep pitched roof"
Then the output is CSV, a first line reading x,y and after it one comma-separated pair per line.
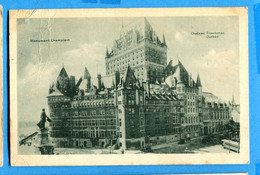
x,y
180,73
86,74
143,23
143,27
183,74
198,82
164,41
55,92
63,73
170,69
62,82
210,97
83,84
129,74
129,78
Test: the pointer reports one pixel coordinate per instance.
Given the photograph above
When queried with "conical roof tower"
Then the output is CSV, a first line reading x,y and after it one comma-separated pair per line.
x,y
198,82
62,83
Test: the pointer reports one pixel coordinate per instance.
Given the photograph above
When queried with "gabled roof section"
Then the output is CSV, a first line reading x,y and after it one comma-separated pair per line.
x,y
55,92
129,75
63,73
141,23
83,84
143,27
129,78
170,69
183,74
210,97
62,82
179,73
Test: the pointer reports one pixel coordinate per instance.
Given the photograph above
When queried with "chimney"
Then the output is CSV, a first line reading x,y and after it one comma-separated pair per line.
x,y
72,85
117,78
99,82
88,83
148,87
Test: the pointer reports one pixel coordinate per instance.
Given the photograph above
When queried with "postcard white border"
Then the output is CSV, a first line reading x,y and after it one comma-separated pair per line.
x,y
133,159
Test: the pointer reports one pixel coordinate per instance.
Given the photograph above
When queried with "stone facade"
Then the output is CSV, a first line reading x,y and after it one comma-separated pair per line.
x,y
139,47
141,101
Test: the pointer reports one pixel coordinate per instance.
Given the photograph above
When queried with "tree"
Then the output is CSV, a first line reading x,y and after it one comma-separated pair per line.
x,y
232,129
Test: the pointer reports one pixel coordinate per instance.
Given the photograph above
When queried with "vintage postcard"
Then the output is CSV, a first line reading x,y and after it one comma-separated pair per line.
x,y
147,86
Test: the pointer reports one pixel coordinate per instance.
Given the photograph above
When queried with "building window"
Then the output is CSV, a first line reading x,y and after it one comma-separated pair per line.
x,y
157,121
167,119
131,110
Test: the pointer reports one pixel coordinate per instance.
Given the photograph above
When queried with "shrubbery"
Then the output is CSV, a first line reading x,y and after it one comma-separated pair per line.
x,y
211,140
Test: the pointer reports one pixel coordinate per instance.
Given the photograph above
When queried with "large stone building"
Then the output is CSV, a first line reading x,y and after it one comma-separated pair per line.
x,y
140,47
141,101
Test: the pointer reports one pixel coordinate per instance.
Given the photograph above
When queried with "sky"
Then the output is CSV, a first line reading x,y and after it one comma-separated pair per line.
x,y
215,59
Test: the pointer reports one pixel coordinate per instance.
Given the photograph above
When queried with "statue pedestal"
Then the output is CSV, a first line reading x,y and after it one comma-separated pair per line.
x,y
43,144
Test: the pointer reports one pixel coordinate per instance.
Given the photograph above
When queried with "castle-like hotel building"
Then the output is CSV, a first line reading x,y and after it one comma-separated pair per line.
x,y
140,101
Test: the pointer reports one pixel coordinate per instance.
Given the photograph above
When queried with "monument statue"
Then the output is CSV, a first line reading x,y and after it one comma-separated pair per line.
x,y
42,142
42,122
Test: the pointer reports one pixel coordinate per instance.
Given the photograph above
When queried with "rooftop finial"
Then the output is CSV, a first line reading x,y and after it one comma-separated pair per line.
x,y
198,82
107,53
86,74
233,99
164,41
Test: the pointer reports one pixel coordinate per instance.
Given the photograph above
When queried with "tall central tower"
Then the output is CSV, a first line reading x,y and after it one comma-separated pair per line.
x,y
139,47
